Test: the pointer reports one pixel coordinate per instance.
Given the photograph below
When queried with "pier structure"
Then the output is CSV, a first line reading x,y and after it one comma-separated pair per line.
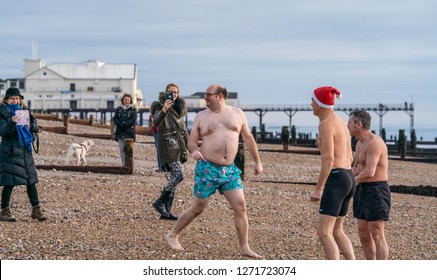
x,y
290,110
260,110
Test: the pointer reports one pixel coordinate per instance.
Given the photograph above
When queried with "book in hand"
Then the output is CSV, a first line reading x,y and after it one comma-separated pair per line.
x,y
23,117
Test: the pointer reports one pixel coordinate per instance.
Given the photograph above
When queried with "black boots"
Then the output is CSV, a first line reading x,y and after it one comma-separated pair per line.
x,y
168,206
159,204
163,205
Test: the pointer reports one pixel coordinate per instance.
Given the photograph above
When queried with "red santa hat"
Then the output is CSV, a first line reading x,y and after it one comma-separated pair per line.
x,y
324,96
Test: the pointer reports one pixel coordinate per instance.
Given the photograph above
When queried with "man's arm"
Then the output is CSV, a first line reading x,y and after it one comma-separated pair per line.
x,y
373,153
355,169
250,143
194,138
327,158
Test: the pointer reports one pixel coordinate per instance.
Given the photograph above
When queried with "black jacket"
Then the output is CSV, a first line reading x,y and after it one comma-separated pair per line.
x,y
172,133
16,162
124,120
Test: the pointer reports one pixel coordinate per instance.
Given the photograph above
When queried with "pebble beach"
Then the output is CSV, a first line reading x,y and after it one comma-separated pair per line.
x,y
109,216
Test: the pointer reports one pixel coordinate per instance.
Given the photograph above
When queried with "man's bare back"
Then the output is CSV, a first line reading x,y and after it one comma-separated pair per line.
x,y
219,132
335,139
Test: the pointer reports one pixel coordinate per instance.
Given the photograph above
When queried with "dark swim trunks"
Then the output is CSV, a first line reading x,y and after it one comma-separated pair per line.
x,y
209,177
372,201
338,191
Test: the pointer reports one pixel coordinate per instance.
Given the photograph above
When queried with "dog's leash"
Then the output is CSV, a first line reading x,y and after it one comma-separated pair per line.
x,y
36,142
36,149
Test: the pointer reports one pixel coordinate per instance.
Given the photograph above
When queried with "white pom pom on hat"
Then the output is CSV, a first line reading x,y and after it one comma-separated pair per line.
x,y
324,96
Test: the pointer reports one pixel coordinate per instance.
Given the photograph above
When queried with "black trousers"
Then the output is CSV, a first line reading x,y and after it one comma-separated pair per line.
x,y
32,193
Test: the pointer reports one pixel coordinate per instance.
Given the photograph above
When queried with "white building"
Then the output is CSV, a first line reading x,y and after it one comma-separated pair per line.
x,y
89,85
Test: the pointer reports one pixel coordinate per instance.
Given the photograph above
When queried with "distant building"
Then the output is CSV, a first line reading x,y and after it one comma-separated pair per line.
x,y
196,100
88,85
11,82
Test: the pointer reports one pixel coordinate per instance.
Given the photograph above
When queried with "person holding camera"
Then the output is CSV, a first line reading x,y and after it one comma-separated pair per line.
x,y
17,166
172,144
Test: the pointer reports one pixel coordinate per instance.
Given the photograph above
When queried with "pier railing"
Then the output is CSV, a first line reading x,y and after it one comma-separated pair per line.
x,y
289,109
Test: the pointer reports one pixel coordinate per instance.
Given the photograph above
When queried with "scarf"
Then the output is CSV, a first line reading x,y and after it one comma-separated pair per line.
x,y
126,107
25,137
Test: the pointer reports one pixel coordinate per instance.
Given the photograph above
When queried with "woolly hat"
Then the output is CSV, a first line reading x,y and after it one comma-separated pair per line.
x,y
324,96
13,92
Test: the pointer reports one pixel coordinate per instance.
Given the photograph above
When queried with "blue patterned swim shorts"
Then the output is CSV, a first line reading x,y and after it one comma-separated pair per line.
x,y
209,177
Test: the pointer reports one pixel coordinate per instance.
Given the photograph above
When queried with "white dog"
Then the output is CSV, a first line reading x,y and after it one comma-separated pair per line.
x,y
80,150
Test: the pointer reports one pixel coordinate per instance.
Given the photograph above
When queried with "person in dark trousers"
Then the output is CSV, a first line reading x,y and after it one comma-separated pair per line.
x,y
17,166
124,119
172,145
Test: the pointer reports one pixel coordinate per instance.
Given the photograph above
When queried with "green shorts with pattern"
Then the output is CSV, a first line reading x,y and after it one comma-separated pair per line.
x,y
209,177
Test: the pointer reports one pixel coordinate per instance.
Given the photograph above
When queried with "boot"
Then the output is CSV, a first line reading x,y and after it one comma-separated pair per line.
x,y
159,204
37,213
6,215
168,206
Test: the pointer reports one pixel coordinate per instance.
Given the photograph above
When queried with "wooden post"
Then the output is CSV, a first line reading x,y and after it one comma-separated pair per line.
x,y
402,143
285,135
254,134
293,135
112,128
129,155
239,159
66,122
92,120
413,141
263,133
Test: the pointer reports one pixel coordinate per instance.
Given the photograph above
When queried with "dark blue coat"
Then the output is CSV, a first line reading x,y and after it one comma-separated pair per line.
x,y
124,120
16,162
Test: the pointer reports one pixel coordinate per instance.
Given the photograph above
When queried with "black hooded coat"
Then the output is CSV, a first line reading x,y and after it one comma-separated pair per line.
x,y
172,132
17,166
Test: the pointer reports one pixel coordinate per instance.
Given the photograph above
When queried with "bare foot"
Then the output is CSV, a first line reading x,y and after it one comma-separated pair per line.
x,y
173,242
251,254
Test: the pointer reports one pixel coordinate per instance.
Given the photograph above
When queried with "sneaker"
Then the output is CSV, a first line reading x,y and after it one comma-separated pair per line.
x,y
6,215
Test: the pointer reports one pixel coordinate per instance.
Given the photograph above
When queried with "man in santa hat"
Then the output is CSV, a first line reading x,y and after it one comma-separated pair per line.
x,y
335,185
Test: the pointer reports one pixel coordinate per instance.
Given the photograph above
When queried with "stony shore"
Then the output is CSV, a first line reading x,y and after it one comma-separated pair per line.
x,y
108,216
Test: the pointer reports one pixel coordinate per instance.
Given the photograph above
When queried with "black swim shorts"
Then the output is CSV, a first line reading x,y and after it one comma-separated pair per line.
x,y
372,201
338,191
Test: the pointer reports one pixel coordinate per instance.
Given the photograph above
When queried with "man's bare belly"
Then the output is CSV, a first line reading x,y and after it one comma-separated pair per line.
x,y
220,153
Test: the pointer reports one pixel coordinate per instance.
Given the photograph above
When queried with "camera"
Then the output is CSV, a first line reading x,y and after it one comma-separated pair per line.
x,y
169,96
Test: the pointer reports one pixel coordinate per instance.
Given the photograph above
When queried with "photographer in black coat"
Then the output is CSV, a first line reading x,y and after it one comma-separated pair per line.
x,y
17,166
172,144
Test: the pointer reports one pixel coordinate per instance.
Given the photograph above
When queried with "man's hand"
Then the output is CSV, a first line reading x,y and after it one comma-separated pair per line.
x,y
316,196
167,105
258,168
197,155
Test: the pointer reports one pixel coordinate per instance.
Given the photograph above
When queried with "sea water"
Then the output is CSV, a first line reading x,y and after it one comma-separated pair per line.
x,y
422,134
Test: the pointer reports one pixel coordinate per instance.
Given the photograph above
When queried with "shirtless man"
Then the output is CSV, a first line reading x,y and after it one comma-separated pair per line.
x,y
219,126
372,198
335,185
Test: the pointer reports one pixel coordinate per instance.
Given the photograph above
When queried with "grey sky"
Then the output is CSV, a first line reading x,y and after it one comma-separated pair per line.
x,y
270,52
